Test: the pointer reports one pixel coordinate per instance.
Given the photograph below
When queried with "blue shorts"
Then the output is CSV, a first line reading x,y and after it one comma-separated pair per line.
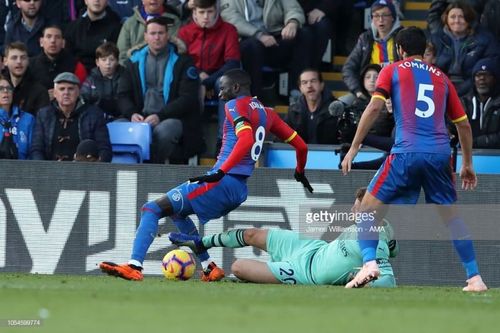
x,y
209,200
402,176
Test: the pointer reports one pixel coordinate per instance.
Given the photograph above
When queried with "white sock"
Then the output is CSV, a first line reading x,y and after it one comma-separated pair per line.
x,y
204,264
135,263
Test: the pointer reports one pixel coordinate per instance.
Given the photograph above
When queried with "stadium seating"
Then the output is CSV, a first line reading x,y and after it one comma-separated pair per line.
x,y
130,141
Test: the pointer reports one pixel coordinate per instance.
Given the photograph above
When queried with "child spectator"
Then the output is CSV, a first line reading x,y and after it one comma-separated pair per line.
x,y
101,86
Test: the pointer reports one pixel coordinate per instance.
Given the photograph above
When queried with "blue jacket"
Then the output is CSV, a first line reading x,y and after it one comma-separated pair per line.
x,y
479,45
23,124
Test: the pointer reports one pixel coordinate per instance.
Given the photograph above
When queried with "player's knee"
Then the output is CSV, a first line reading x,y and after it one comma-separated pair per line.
x,y
251,235
152,208
237,268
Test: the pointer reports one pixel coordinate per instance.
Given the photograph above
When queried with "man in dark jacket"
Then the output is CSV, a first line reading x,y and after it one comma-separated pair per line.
x,y
310,116
29,95
54,60
161,87
66,121
97,25
27,26
482,105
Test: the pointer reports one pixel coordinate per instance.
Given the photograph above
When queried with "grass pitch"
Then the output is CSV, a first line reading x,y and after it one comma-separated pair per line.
x,y
106,304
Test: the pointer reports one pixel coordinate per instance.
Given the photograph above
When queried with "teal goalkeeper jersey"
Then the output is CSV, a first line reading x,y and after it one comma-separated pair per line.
x,y
338,261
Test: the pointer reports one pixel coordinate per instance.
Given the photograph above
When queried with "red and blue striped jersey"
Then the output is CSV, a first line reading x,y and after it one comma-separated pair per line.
x,y
247,113
422,96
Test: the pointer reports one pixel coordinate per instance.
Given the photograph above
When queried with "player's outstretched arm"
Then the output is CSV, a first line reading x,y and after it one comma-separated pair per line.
x,y
467,174
290,136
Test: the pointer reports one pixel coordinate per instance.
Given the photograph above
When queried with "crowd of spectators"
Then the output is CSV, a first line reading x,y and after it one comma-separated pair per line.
x,y
71,66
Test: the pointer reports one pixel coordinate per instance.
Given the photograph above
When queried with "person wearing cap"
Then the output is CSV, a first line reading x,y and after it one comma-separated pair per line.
x,y
482,105
87,151
66,121
132,32
374,46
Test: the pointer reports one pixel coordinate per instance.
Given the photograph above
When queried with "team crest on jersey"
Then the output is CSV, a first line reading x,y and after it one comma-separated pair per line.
x,y
176,196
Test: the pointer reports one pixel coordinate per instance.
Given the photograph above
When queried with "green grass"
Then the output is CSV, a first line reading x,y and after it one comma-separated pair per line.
x,y
106,304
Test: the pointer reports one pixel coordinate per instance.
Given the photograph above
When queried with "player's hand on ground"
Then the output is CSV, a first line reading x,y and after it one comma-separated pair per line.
x,y
301,177
469,179
348,158
212,178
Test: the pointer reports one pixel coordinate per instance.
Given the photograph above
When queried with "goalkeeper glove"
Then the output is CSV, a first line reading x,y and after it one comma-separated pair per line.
x,y
301,177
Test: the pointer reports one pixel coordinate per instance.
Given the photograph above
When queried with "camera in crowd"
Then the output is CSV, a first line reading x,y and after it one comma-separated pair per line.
x,y
348,117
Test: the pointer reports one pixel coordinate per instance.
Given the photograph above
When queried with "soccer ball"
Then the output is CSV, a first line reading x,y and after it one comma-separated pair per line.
x,y
178,265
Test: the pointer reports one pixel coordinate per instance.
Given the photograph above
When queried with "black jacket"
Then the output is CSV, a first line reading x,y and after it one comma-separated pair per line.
x,y
326,129
103,92
45,70
83,36
183,101
488,135
29,95
91,125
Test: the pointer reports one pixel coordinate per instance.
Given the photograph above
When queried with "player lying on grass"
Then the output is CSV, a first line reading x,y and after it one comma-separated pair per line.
x,y
300,261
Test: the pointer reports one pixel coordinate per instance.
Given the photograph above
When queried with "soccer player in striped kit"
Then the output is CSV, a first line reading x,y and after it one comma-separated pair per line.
x,y
224,187
421,96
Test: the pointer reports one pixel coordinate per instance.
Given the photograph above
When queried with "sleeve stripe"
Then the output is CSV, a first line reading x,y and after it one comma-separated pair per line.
x,y
379,96
242,128
459,119
291,137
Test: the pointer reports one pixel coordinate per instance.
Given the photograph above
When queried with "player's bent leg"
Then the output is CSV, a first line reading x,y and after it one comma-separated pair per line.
x,y
256,237
253,271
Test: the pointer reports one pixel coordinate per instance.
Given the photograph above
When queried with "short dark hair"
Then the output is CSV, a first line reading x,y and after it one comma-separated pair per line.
x,y
320,76
52,26
107,49
412,40
237,75
469,13
20,46
204,3
161,20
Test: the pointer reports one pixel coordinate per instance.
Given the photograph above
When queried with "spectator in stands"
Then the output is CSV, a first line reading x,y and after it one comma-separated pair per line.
x,y
320,15
482,105
98,24
213,45
124,8
66,121
132,33
62,12
54,60
161,87
434,21
272,34
374,46
87,151
310,116
460,45
380,135
16,125
27,26
101,86
29,95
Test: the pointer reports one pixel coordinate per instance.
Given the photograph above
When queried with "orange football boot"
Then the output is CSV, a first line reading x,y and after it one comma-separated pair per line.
x,y
124,271
213,273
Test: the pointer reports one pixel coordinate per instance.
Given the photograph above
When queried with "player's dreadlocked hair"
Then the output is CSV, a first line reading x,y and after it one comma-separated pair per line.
x,y
360,193
239,76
